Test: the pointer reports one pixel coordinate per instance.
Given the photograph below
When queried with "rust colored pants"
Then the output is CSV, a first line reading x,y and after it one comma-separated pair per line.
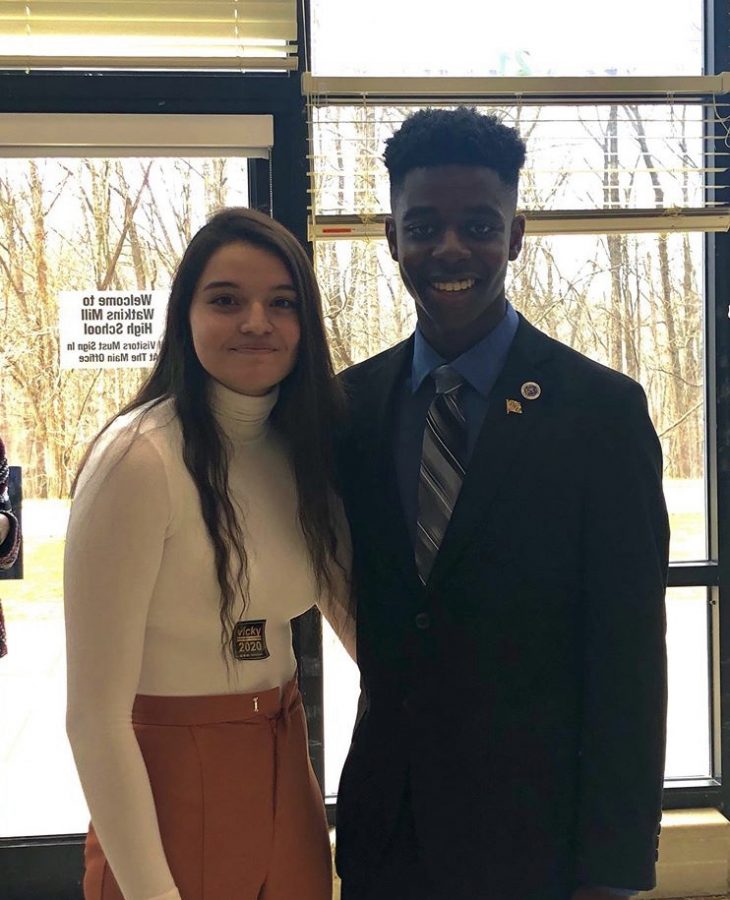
x,y
238,805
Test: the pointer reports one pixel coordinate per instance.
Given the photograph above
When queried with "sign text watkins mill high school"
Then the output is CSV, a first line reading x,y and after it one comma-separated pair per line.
x,y
109,329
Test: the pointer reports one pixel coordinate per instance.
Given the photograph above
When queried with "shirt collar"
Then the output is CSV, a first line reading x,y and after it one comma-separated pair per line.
x,y
480,365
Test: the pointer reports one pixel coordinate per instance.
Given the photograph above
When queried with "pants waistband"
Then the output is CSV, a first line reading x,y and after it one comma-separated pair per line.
x,y
150,709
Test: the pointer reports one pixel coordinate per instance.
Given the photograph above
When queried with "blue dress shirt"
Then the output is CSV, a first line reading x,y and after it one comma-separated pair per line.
x,y
480,366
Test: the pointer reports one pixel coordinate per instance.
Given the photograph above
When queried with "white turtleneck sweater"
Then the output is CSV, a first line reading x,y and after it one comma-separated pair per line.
x,y
142,602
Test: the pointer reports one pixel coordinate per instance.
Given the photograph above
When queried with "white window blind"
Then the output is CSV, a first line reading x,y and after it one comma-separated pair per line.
x,y
645,157
92,135
148,34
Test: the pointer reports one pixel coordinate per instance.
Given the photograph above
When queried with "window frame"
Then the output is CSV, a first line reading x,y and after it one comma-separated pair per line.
x,y
50,865
713,572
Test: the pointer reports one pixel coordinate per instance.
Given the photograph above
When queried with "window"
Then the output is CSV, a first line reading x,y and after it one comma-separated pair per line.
x,y
622,185
466,38
217,112
153,34
557,69
92,223
602,295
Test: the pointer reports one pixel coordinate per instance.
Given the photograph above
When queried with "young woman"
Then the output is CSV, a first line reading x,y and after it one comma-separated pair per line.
x,y
204,520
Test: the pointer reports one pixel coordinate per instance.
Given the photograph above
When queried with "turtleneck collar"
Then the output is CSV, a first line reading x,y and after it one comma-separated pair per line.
x,y
242,417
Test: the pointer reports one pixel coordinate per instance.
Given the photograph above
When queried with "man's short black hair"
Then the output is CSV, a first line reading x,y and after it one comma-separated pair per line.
x,y
461,136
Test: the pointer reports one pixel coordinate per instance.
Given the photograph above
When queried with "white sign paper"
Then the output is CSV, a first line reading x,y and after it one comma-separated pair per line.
x,y
110,329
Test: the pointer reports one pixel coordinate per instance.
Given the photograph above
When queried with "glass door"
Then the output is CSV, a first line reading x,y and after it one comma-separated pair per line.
x,y
84,239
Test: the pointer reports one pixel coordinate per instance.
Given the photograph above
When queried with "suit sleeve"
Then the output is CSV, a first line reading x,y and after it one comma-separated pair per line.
x,y
626,546
336,602
114,547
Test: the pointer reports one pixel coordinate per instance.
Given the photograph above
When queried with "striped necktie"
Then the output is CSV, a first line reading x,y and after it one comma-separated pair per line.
x,y
443,463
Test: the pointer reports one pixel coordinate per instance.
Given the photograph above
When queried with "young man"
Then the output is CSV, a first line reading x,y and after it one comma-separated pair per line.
x,y
511,543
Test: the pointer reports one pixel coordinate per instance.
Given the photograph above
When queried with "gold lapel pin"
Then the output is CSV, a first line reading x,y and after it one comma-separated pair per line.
x,y
514,406
531,390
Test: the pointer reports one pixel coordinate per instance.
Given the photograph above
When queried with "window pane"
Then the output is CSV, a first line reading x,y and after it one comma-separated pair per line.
x,y
152,34
341,690
632,302
367,308
588,157
468,37
70,224
688,724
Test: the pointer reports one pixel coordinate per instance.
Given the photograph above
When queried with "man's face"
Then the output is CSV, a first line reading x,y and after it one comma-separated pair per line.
x,y
452,231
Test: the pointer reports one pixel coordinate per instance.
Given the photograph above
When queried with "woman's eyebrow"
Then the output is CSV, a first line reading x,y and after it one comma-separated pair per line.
x,y
287,286
220,284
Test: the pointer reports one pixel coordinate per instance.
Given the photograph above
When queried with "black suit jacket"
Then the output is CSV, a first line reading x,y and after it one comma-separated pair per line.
x,y
521,695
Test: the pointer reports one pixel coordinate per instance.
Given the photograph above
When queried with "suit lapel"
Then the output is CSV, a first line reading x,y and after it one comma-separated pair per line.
x,y
508,431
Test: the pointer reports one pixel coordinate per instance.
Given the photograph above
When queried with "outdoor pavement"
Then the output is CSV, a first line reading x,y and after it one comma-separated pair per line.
x,y
42,795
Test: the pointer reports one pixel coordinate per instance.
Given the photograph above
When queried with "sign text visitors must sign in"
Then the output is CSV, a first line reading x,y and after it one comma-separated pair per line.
x,y
109,329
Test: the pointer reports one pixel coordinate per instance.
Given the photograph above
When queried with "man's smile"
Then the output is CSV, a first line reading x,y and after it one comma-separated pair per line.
x,y
452,286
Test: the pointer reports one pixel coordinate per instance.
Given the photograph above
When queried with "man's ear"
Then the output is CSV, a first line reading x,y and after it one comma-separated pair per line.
x,y
390,235
517,232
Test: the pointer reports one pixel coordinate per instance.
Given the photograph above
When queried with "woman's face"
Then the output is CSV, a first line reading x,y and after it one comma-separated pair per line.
x,y
244,319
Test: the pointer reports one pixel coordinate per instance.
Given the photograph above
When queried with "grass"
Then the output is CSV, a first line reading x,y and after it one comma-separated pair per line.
x,y
688,536
39,595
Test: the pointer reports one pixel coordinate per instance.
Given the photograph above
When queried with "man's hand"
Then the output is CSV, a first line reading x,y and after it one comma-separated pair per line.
x,y
4,527
592,893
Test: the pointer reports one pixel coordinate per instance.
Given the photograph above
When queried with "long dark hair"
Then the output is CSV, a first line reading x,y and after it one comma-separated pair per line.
x,y
306,414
